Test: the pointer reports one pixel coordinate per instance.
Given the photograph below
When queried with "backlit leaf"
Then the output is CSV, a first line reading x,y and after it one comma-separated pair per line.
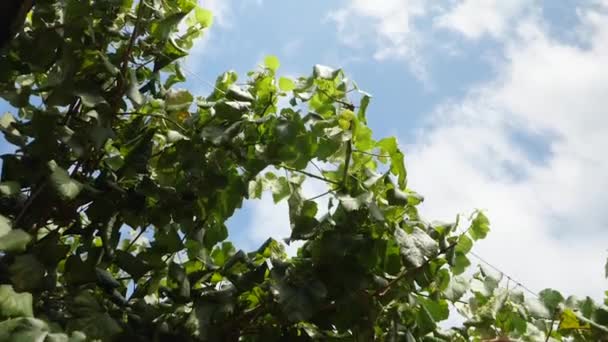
x,y
13,304
272,62
66,187
286,84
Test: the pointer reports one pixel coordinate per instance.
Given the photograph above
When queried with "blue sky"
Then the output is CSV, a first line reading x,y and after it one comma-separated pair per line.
x,y
499,105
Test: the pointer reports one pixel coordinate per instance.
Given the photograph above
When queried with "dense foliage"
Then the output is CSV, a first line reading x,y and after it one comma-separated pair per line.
x,y
113,207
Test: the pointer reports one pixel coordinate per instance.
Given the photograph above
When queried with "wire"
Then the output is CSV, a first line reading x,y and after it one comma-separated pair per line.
x,y
187,70
504,274
509,278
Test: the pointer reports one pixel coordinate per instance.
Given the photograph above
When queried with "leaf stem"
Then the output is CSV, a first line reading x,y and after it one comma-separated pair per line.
x,y
29,202
349,152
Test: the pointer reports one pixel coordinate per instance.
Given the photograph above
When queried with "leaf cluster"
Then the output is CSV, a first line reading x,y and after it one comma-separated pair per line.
x,y
114,205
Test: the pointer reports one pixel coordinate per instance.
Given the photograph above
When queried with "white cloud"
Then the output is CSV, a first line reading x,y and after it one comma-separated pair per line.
x,y
475,18
387,23
221,10
549,221
398,29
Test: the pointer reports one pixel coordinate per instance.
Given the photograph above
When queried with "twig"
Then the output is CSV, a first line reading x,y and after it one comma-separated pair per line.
x,y
129,49
316,166
164,117
320,195
29,202
349,152
372,154
312,175
135,239
73,109
348,105
120,86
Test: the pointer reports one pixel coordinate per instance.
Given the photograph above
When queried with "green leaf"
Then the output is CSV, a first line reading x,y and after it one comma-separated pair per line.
x,y
396,197
13,304
424,321
131,264
167,239
464,244
9,188
256,187
14,240
363,138
416,247
301,216
215,234
89,96
286,84
66,187
11,133
439,310
175,136
50,250
186,6
78,272
457,288
272,62
390,147
324,72
551,298
537,309
280,189
362,113
355,203
569,320
203,17
27,273
5,225
460,264
178,100
24,329
479,227
97,325
231,110
372,178
133,90
222,253
238,94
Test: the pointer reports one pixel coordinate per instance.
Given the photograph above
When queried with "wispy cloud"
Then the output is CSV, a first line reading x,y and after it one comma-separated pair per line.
x,y
548,216
476,18
393,32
